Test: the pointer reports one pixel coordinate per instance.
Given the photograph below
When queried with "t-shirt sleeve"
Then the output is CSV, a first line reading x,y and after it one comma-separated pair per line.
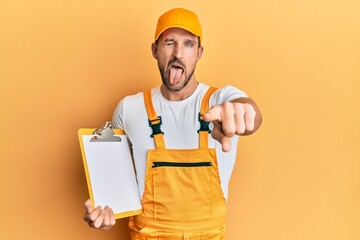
x,y
118,116
226,94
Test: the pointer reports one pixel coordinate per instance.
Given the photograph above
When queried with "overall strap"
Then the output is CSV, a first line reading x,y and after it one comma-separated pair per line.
x,y
154,121
204,126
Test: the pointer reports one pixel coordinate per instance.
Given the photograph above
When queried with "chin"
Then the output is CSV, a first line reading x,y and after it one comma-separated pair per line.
x,y
179,86
174,88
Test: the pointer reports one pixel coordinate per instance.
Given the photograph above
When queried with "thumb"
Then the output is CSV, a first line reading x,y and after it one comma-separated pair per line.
x,y
88,206
218,135
225,143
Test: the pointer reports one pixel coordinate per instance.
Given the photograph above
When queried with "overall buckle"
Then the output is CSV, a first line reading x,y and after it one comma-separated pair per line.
x,y
155,125
204,126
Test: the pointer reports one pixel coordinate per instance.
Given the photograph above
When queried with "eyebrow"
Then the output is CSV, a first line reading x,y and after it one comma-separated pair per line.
x,y
191,41
186,40
168,39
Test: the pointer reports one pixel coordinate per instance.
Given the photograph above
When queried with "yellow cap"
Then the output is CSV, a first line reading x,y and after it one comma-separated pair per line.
x,y
179,18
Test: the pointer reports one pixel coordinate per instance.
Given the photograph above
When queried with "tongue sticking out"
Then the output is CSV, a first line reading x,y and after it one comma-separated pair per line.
x,y
175,74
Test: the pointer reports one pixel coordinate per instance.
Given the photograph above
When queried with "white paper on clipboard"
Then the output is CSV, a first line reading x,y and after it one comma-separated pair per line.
x,y
110,173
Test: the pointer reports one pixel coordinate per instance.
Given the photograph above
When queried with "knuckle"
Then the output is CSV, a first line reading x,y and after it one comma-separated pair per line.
x,y
106,222
96,224
228,106
240,130
91,218
250,109
239,107
229,132
113,221
250,126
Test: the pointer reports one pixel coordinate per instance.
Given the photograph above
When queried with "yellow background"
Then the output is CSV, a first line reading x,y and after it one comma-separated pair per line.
x,y
66,64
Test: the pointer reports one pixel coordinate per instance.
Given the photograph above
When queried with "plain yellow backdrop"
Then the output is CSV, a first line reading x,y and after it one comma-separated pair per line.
x,y
66,64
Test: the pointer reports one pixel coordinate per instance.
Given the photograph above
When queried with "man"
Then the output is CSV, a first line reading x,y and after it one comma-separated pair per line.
x,y
182,170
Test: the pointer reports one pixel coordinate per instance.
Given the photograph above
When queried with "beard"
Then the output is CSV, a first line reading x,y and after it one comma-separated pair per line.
x,y
165,75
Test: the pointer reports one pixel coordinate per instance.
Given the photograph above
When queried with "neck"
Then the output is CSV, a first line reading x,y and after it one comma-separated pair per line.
x,y
180,95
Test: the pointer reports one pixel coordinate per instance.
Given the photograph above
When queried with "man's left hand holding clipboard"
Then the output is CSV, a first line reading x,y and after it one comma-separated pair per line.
x,y
100,218
110,176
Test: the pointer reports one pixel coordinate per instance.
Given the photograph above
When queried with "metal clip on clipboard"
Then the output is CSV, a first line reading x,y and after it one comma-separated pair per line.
x,y
105,134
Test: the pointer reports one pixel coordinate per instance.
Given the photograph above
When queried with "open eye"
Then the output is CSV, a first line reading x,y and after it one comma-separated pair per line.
x,y
189,44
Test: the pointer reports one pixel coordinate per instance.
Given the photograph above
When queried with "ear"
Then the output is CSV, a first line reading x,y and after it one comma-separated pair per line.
x,y
200,52
154,50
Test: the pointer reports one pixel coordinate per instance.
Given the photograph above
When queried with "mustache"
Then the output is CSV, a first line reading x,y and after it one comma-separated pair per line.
x,y
177,61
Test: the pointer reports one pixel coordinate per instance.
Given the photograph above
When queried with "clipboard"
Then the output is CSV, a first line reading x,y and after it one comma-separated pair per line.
x,y
109,170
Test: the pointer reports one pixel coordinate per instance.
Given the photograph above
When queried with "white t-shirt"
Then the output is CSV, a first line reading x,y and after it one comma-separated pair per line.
x,y
179,124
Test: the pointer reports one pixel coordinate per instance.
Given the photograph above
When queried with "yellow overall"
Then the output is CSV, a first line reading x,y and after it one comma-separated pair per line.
x,y
182,198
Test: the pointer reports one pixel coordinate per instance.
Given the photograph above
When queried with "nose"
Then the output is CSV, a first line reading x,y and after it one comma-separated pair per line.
x,y
178,52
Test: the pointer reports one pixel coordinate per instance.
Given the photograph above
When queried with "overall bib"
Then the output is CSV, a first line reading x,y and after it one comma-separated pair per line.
x,y
182,198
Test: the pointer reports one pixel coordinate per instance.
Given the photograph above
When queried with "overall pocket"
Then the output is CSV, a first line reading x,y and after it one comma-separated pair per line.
x,y
182,190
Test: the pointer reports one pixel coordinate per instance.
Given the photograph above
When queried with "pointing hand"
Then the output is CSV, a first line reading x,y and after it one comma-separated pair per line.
x,y
237,117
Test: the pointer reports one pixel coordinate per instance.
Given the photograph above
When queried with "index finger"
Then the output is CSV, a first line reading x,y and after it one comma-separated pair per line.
x,y
214,114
